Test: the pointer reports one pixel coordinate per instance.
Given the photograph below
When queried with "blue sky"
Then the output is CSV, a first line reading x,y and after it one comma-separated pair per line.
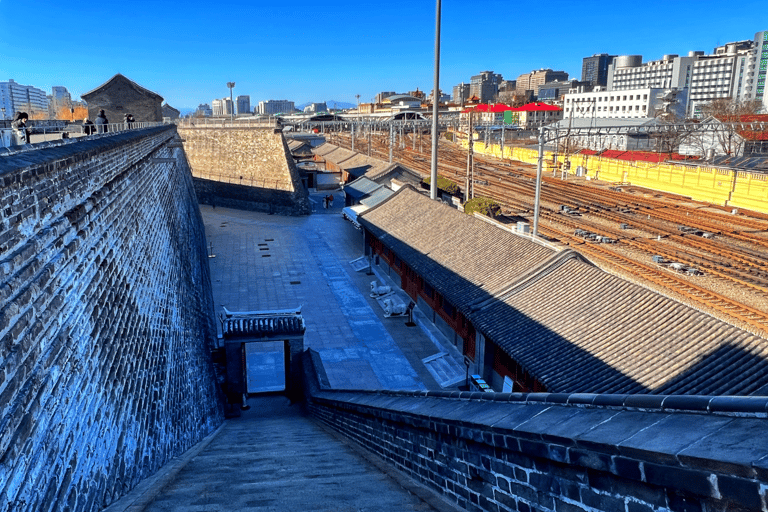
x,y
316,51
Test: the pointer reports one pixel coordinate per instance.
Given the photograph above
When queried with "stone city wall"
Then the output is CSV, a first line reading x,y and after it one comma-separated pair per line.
x,y
558,452
244,167
106,319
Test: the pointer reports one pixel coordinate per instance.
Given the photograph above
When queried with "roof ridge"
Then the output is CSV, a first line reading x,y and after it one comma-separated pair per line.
x,y
545,268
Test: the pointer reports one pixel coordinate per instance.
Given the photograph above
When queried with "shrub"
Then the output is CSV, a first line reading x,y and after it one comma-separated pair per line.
x,y
445,185
487,207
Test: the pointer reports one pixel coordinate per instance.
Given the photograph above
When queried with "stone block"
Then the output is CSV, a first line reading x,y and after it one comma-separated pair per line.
x,y
688,480
739,492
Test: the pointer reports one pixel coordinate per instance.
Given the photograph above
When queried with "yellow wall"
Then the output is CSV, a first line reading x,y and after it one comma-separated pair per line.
x,y
717,186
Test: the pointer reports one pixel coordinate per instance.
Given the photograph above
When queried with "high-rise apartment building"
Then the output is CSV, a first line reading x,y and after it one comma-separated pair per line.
x,y
243,104
751,69
485,86
60,102
271,107
461,93
15,97
222,107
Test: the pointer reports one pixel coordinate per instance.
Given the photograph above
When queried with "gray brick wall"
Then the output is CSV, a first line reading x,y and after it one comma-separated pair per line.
x,y
538,452
105,319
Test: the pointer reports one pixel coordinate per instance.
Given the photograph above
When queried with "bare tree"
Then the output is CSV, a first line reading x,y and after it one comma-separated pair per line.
x,y
513,98
730,113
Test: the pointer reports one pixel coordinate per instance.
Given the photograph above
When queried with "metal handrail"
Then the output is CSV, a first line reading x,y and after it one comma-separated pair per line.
x,y
221,122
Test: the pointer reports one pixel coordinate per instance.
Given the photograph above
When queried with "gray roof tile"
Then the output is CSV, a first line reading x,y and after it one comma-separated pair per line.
x,y
573,326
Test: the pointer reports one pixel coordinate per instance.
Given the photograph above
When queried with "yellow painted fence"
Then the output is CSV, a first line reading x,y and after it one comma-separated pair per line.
x,y
717,186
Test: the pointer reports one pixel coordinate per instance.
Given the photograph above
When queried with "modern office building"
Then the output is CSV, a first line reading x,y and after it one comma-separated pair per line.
x,y
594,69
243,104
15,97
553,91
485,86
271,107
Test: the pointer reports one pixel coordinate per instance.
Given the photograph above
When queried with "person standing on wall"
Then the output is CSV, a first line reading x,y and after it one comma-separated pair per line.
x,y
101,122
88,127
19,125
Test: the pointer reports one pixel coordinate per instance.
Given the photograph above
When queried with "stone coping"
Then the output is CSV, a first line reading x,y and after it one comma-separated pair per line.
x,y
743,406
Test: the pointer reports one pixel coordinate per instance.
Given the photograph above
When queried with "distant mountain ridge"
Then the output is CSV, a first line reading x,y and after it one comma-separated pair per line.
x,y
331,104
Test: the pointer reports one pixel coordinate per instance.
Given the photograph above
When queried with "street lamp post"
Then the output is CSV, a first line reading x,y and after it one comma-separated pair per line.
x,y
231,86
435,101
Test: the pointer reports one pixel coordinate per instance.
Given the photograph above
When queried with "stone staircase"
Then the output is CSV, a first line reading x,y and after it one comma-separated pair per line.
x,y
445,369
274,457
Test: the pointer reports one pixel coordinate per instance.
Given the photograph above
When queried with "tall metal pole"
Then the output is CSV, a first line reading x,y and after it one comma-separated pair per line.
x,y
538,183
435,102
231,86
470,178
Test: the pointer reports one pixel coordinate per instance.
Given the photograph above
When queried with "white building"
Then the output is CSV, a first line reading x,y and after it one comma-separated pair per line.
x,y
599,134
735,70
751,69
222,107
271,107
15,97
313,108
629,103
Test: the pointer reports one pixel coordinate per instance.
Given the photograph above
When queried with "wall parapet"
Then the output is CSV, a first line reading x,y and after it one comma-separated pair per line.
x,y
553,452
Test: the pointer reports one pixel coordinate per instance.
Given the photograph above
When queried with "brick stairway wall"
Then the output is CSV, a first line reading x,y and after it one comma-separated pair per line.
x,y
557,452
244,167
106,320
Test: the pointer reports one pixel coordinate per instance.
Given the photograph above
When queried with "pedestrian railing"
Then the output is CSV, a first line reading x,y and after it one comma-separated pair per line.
x,y
226,122
9,138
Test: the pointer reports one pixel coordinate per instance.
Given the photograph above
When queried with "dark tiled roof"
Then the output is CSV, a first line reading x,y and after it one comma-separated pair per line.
x,y
121,78
259,326
597,333
394,171
360,187
572,326
464,258
377,196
